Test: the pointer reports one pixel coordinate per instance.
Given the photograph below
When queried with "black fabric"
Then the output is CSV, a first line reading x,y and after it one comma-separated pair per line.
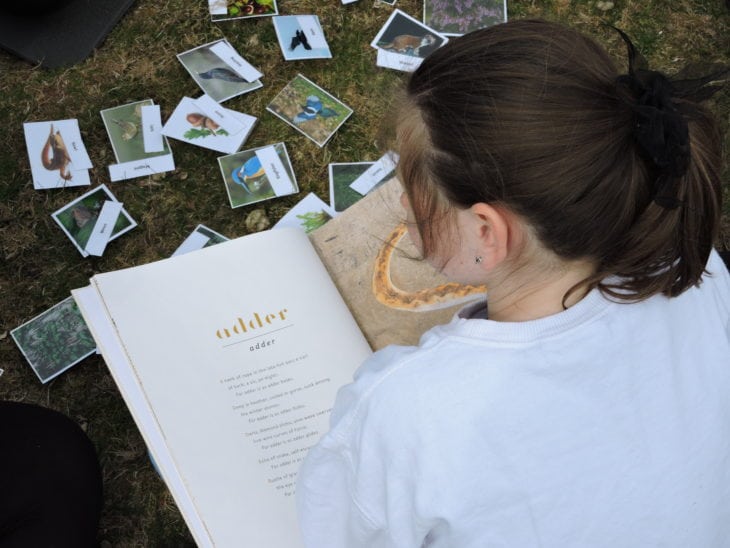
x,y
50,480
62,36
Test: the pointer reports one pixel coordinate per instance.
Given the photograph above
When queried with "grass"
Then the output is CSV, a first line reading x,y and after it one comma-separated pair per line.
x,y
137,61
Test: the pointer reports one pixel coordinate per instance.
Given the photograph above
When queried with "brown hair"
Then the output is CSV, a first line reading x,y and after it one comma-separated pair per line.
x,y
530,115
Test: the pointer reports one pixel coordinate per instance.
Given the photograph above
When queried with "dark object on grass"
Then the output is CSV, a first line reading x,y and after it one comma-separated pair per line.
x,y
299,38
220,73
56,33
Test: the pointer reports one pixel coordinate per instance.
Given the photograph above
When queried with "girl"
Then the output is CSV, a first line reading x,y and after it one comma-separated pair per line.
x,y
590,404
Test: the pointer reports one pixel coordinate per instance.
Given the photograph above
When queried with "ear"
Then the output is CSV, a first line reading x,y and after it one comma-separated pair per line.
x,y
497,233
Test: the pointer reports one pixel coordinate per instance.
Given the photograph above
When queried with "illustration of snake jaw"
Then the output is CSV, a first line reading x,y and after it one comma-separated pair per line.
x,y
55,155
441,296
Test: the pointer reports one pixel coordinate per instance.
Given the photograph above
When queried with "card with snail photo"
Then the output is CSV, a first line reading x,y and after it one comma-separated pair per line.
x,y
205,123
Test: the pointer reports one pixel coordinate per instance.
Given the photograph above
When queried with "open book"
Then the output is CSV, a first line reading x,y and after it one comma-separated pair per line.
x,y
229,358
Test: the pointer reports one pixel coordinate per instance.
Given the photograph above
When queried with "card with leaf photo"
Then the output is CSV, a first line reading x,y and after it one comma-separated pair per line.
x,y
223,10
309,213
310,109
258,174
457,17
301,37
220,71
78,219
55,340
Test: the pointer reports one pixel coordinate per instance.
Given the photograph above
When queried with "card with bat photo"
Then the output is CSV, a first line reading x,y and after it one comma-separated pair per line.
x,y
220,71
457,17
55,340
310,109
57,154
301,37
405,42
207,124
135,133
82,220
258,174
223,10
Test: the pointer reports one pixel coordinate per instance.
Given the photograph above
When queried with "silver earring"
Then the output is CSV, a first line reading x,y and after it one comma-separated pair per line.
x,y
478,259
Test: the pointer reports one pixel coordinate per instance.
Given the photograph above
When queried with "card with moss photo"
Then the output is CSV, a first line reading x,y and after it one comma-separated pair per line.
x,y
341,176
124,127
55,340
219,71
223,10
308,214
310,109
79,218
457,17
258,174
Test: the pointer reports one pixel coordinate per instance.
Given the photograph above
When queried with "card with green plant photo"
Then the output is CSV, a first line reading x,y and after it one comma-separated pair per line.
x,y
310,109
341,176
223,10
308,214
55,340
219,71
78,219
258,174
457,17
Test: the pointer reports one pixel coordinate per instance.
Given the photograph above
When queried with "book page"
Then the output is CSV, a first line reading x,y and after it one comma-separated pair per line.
x,y
239,349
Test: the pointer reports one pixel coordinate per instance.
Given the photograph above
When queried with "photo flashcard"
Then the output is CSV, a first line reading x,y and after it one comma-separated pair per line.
x,y
309,213
199,238
403,42
310,109
220,71
223,10
457,17
258,174
301,37
57,154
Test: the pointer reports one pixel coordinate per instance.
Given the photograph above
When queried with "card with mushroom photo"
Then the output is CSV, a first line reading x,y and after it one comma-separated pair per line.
x,y
79,219
258,174
310,109
301,37
458,17
223,10
220,71
207,124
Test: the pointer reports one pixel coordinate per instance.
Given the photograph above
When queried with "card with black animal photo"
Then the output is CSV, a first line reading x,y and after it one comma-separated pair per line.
x,y
406,37
301,37
220,71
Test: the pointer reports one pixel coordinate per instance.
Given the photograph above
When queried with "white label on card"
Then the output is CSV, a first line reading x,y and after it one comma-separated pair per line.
x,y
102,231
375,173
275,172
218,7
310,26
152,128
141,168
398,61
218,114
76,149
195,241
230,56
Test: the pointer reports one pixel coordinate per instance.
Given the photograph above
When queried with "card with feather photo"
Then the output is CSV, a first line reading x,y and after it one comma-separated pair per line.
x,y
258,174
301,37
223,10
78,219
458,17
220,71
403,36
310,109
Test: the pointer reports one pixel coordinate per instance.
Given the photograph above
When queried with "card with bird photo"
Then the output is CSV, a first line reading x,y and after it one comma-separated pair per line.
x,y
222,10
220,71
310,109
403,42
79,218
258,174
301,37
